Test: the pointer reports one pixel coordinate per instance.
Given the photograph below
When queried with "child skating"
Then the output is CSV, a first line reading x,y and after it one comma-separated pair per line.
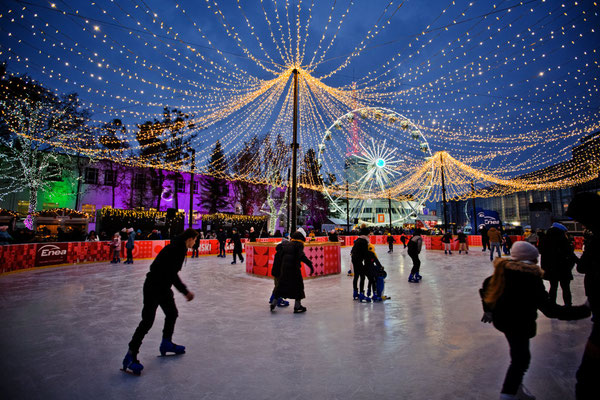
x,y
157,292
115,247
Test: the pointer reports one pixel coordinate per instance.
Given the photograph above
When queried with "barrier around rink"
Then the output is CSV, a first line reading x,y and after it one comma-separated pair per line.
x,y
34,255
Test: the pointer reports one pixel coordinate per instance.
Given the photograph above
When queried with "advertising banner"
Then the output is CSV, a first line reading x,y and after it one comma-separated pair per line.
x,y
51,254
487,218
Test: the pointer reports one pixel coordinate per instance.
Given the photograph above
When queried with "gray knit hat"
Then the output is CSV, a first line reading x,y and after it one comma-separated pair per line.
x,y
524,251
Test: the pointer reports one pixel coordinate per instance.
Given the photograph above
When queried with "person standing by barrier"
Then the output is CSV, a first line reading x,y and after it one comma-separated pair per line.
x,y
222,238
495,238
130,245
115,246
447,240
462,242
163,274
414,249
237,245
195,247
585,208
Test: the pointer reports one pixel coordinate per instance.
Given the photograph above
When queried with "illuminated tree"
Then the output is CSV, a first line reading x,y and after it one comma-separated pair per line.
x,y
31,117
313,201
215,190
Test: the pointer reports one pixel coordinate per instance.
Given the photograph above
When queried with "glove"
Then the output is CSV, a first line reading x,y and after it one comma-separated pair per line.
x,y
487,317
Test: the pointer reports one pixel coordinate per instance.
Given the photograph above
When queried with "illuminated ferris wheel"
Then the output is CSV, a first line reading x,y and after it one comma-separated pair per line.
x,y
365,155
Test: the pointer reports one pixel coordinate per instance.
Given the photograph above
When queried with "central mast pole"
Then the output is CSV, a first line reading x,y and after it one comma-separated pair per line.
x,y
295,155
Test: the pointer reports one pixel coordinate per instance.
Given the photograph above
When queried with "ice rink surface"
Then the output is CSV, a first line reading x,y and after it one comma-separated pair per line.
x,y
64,332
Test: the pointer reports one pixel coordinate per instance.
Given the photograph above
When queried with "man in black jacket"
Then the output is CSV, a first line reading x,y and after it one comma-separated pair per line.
x,y
157,292
237,245
222,238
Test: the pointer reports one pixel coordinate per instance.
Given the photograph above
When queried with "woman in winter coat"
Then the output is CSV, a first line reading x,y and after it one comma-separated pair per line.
x,y
130,245
558,259
414,249
358,254
585,208
511,298
289,271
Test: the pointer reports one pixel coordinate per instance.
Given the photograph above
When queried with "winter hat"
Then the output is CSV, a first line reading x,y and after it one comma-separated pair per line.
x,y
298,236
524,251
585,208
559,226
364,231
302,231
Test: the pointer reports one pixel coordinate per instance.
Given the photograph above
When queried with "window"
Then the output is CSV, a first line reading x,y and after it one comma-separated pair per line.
x,y
110,177
195,187
91,175
179,185
367,210
139,181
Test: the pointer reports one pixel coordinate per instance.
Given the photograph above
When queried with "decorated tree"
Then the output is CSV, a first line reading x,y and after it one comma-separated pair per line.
x,y
313,200
111,143
36,125
275,205
215,191
249,195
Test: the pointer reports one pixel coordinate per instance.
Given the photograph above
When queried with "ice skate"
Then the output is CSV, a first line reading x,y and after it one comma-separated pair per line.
x,y
272,305
418,277
298,310
168,346
355,295
362,297
131,362
411,278
350,273
282,303
524,394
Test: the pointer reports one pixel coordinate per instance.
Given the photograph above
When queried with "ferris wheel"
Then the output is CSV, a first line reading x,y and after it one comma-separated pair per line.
x,y
365,155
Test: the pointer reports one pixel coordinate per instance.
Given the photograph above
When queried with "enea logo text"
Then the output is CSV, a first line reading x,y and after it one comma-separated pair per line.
x,y
51,250
49,254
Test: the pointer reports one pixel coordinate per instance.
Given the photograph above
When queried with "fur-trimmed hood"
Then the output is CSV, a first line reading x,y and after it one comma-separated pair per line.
x,y
519,266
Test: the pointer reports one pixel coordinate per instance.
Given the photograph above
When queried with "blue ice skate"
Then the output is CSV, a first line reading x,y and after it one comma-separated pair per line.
x,y
413,279
167,346
362,297
282,303
131,362
418,277
355,295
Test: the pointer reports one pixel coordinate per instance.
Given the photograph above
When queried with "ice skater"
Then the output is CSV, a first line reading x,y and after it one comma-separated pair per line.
x,y
222,238
290,284
115,246
375,275
462,242
447,240
237,245
358,254
414,249
130,245
511,298
275,272
157,292
391,241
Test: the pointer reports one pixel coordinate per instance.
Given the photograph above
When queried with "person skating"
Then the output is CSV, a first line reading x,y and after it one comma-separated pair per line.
x,y
290,284
414,249
511,298
372,269
506,244
462,242
130,245
391,241
403,240
447,240
237,245
485,240
275,272
585,208
157,292
115,246
495,238
222,238
195,247
252,236
358,254
557,261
